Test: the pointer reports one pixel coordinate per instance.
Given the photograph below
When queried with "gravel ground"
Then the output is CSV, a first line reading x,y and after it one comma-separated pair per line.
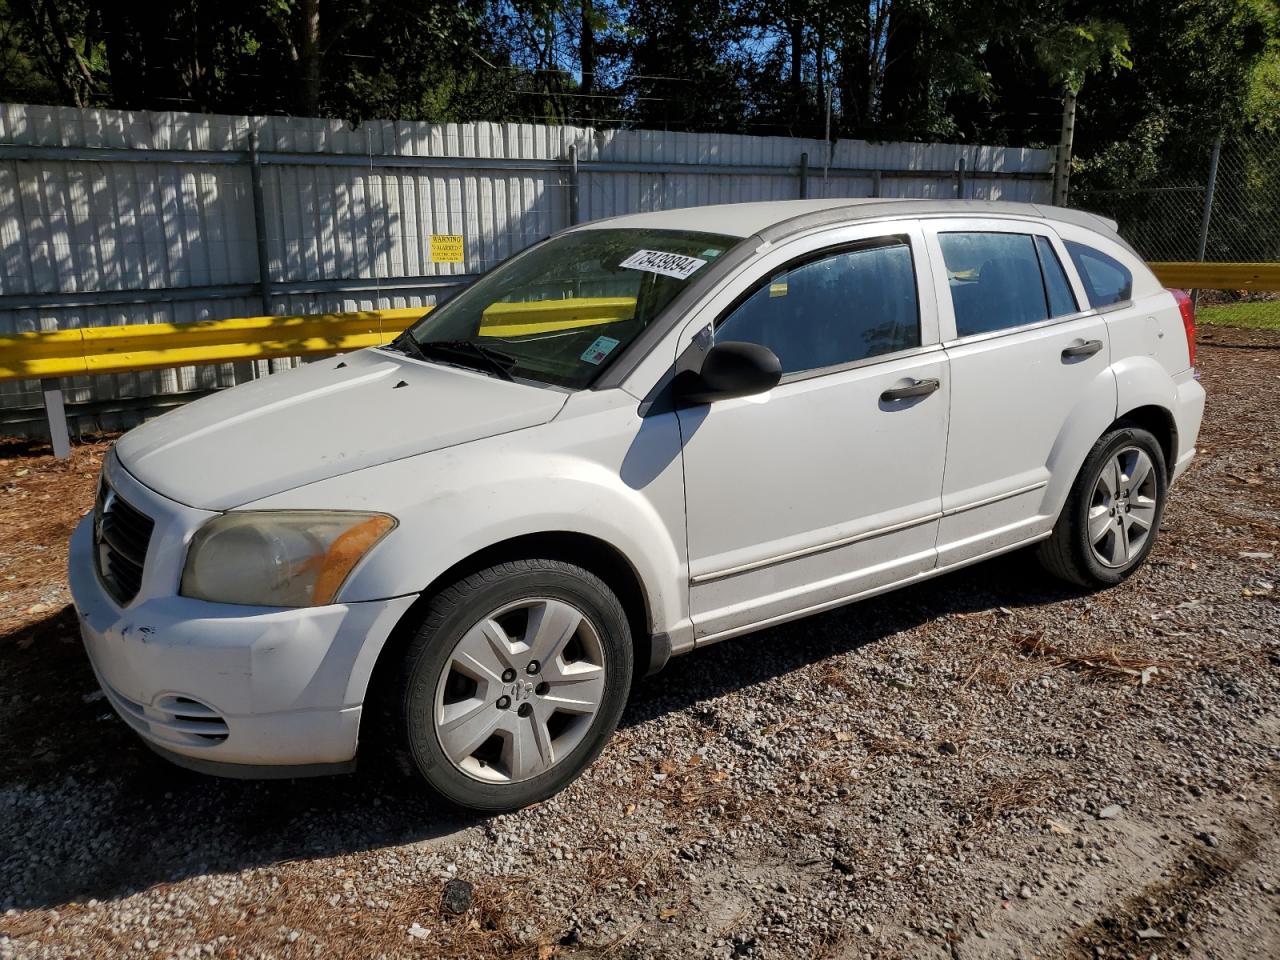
x,y
989,765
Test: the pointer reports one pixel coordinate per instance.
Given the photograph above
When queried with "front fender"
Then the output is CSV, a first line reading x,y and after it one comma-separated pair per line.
x,y
436,534
579,476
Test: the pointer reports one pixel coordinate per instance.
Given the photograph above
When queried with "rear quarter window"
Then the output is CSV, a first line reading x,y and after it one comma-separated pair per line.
x,y
1106,280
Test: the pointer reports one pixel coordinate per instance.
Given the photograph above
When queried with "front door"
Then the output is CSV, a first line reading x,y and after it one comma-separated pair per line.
x,y
829,486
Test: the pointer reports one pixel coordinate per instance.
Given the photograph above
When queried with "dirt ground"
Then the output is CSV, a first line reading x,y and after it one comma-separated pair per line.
x,y
990,765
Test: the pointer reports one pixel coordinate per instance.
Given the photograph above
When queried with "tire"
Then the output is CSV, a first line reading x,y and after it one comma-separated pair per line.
x,y
476,721
1074,552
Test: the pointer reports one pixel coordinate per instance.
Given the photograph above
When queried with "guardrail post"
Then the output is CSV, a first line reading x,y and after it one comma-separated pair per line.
x,y
804,176
573,185
1207,213
56,411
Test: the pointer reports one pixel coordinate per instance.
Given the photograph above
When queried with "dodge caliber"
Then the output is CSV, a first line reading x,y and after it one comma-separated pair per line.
x,y
637,437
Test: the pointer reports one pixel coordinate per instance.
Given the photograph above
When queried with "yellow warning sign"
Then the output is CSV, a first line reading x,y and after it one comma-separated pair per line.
x,y
446,248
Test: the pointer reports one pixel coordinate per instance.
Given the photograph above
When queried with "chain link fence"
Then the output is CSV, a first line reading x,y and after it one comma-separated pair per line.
x,y
1221,204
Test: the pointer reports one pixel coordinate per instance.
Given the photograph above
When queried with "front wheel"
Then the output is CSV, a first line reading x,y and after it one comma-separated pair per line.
x,y
1112,516
513,683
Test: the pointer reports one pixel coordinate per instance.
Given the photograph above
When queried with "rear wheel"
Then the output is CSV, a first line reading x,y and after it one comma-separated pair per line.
x,y
1112,516
513,683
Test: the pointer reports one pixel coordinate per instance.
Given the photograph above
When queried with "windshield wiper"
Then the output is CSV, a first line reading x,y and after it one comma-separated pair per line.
x,y
496,361
406,344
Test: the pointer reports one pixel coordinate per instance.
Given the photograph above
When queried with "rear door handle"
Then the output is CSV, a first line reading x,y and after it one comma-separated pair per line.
x,y
1086,349
917,388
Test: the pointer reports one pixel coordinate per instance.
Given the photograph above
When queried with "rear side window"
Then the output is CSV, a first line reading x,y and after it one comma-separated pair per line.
x,y
995,281
836,308
1106,280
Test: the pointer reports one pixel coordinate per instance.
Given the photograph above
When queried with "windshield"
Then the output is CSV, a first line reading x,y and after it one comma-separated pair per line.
x,y
563,311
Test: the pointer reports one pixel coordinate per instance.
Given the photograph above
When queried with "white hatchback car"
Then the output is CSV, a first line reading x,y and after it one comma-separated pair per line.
x,y
637,437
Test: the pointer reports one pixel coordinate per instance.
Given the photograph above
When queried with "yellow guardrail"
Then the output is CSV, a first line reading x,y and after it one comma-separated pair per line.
x,y
147,346
96,350
547,316
71,353
1192,275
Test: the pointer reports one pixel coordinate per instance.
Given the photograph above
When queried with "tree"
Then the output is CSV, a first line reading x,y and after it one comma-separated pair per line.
x,y
907,77
975,70
55,38
24,76
683,66
587,25
860,63
1262,90
299,26
1070,53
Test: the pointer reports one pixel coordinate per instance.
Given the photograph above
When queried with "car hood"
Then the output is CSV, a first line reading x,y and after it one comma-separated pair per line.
x,y
323,419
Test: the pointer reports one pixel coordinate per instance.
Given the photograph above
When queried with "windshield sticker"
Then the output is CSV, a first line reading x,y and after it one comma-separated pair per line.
x,y
601,348
711,253
668,264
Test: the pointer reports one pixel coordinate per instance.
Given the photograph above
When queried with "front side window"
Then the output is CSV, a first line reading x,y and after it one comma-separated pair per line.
x,y
566,309
836,308
1106,280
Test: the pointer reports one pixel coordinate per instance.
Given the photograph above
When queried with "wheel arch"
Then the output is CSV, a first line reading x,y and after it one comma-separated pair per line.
x,y
606,561
1160,423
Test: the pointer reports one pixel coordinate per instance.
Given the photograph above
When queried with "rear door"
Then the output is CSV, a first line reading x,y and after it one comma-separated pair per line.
x,y
1028,357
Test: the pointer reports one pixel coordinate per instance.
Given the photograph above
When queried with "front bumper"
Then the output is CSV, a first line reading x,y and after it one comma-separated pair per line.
x,y
229,689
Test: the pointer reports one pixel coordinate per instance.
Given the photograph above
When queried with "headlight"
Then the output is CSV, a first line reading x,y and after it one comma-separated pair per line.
x,y
279,558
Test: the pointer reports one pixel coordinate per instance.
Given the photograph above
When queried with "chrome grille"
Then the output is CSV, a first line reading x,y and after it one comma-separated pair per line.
x,y
121,534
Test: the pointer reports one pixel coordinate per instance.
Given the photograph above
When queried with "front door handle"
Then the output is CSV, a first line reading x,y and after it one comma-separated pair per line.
x,y
917,388
1086,349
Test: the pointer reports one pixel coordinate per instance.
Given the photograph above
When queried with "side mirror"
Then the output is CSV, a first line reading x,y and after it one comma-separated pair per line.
x,y
731,369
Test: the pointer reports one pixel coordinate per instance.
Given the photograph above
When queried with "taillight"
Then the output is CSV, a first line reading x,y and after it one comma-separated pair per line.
x,y
1188,311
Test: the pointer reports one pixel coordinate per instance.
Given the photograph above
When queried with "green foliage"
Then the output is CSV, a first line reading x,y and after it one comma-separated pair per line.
x,y
1200,67
1155,77
1262,92
22,73
1070,52
1138,155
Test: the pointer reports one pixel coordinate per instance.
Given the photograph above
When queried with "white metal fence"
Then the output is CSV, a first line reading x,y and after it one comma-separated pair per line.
x,y
114,217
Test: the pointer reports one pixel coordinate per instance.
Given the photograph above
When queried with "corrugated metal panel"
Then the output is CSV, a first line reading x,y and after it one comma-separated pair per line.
x,y
83,226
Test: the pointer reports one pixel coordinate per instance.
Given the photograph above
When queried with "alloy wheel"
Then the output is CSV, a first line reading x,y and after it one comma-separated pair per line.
x,y
1122,511
520,690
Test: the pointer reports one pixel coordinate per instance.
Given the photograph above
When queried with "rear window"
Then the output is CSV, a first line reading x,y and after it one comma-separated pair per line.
x,y
1106,280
